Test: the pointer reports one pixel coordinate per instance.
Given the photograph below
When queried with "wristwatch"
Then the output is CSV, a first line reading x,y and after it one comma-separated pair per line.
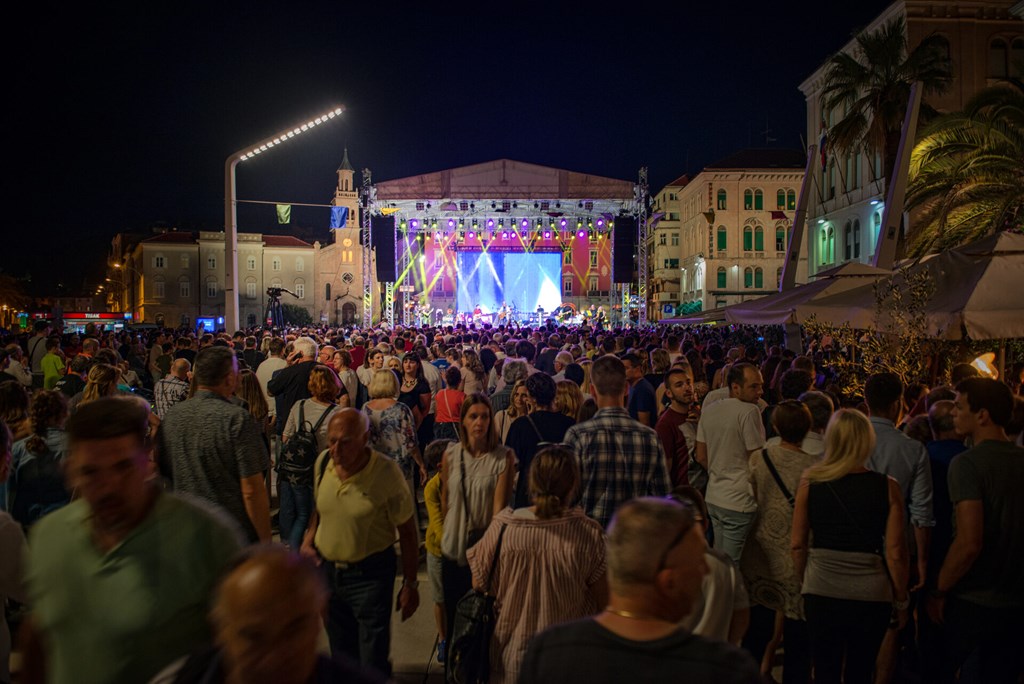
x,y
411,584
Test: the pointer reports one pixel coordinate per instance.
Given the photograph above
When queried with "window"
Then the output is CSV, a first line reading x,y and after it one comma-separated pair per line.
x,y
568,257
848,241
997,59
158,261
673,216
211,262
184,289
780,239
675,239
347,256
662,239
250,263
184,260
831,245
567,285
721,239
758,278
758,200
250,290
671,263
438,261
758,239
592,283
722,195
347,278
275,264
780,199
748,277
211,288
300,264
300,290
856,238
158,289
721,278
778,277
593,258
748,238
327,292
791,199
748,200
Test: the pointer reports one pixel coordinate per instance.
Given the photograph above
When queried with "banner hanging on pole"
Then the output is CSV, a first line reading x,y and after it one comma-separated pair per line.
x,y
284,213
339,217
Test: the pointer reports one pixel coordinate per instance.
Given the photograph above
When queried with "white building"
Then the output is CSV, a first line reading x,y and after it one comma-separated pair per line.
x,y
844,212
664,252
734,223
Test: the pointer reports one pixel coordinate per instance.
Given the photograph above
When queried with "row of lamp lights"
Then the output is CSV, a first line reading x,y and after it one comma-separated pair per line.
x,y
313,123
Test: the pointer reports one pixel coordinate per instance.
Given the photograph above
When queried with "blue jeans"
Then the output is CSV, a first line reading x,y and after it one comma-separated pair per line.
x,y
731,529
296,507
359,609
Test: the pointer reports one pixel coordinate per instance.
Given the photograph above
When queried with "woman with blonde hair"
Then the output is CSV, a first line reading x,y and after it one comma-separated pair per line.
x,y
101,382
518,405
851,587
393,428
551,565
568,398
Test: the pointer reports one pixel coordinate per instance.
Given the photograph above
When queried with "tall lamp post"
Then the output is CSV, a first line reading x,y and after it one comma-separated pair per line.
x,y
230,214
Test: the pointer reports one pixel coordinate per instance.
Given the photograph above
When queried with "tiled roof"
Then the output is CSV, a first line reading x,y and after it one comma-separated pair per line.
x,y
284,241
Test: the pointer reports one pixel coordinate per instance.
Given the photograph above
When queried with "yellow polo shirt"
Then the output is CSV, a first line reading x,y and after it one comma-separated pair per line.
x,y
358,517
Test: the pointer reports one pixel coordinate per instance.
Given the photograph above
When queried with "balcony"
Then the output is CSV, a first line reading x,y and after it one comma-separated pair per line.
x,y
666,297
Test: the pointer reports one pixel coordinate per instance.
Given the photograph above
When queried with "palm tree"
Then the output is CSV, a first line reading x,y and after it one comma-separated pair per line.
x,y
967,171
872,87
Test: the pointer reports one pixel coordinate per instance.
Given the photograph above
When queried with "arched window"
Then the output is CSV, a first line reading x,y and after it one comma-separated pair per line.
x,y
327,292
722,241
758,278
780,199
856,238
791,199
848,241
831,245
997,58
780,239
722,196
758,200
748,238
748,200
758,238
748,277
721,278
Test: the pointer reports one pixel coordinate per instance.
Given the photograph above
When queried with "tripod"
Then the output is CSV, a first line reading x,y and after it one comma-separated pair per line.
x,y
274,315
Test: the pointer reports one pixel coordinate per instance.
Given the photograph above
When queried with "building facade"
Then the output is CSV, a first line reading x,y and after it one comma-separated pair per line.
x,y
735,218
664,253
985,41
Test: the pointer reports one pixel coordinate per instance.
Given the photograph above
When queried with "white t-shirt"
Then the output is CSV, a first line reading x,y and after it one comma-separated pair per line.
x,y
731,429
266,371
722,594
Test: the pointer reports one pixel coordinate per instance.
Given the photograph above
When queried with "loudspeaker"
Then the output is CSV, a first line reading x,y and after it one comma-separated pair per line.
x,y
623,247
382,239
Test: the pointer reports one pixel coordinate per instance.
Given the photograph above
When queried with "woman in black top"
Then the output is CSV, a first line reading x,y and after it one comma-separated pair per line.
x,y
851,587
413,390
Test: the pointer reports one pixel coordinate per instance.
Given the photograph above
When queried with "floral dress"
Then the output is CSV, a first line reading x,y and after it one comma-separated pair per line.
x,y
393,433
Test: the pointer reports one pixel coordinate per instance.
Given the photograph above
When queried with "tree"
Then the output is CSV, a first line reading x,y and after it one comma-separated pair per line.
x,y
296,315
871,88
967,171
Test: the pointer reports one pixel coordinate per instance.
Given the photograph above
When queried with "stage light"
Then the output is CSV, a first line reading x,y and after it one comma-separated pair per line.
x,y
563,223
472,235
547,234
581,234
475,225
423,258
600,223
437,236
504,235
579,223
461,224
451,223
434,224
402,224
590,223
462,235
514,235
525,224
415,224
490,223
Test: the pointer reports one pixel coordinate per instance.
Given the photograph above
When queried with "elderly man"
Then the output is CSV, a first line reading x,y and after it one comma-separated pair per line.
x,y
173,389
361,500
119,579
213,448
656,566
292,383
266,623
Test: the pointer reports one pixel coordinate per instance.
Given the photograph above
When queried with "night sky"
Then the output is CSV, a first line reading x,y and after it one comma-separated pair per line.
x,y
123,119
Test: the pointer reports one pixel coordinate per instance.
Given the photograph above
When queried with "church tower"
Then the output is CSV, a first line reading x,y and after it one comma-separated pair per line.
x,y
339,263
346,195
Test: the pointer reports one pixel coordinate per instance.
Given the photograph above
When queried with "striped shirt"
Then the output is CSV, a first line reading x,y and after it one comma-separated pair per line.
x,y
620,459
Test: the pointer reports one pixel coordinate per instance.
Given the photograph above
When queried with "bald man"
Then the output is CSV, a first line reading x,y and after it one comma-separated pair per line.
x,y
266,623
172,389
361,499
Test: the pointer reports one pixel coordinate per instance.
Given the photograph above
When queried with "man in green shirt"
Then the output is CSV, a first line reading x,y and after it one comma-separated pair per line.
x,y
120,579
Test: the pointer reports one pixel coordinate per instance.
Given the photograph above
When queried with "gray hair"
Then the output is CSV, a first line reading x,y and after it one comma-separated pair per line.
x,y
306,346
213,364
820,406
637,538
513,371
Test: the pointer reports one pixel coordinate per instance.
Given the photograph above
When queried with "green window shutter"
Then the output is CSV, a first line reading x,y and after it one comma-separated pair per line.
x,y
758,201
747,239
759,278
721,239
721,279
759,240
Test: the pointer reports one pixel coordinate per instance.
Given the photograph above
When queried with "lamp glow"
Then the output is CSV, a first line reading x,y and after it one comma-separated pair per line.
x,y
983,364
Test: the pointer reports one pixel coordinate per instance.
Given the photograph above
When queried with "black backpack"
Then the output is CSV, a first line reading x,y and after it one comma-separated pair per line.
x,y
300,451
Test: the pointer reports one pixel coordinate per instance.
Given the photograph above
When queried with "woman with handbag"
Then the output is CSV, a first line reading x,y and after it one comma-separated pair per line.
x,y
550,566
851,587
477,475
767,565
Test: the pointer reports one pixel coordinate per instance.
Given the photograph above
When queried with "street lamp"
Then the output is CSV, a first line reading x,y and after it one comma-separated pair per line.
x,y
230,214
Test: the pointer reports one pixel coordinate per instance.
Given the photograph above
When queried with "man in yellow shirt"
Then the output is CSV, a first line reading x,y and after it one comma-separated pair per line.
x,y
361,500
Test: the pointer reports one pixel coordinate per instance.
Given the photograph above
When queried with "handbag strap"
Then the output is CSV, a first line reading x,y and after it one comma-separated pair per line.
x,y
323,416
494,561
540,437
778,478
462,481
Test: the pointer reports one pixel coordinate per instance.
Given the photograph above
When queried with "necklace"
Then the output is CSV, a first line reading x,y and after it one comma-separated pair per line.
x,y
630,615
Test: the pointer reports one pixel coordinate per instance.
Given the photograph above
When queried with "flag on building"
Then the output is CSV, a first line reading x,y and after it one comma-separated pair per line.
x,y
339,217
284,213
823,144
779,215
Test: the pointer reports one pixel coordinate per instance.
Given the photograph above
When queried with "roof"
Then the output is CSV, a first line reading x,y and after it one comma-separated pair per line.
x,y
762,158
680,182
284,241
173,237
345,165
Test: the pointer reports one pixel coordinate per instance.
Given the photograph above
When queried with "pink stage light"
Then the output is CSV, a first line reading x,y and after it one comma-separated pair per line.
x,y
414,223
490,223
451,223
600,223
526,223
581,234
547,234
563,223
504,235
471,235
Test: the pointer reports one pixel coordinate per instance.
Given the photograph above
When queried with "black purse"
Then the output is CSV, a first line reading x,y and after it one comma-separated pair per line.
x,y
469,643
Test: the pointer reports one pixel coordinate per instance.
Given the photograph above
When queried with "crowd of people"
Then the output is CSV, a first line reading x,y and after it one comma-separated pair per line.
x,y
643,504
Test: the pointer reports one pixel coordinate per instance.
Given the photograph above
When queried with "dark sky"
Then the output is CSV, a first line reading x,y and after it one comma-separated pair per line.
x,y
123,118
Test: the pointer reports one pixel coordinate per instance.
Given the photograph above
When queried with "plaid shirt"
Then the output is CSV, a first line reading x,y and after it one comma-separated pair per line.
x,y
620,459
168,392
